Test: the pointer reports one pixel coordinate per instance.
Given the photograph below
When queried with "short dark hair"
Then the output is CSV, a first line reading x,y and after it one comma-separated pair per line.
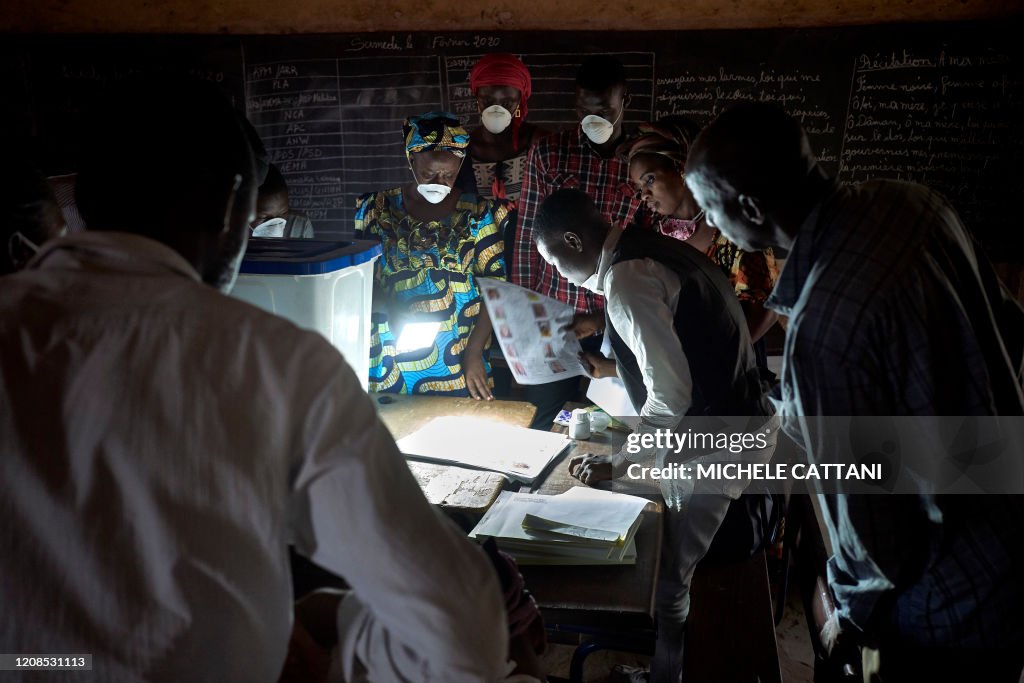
x,y
568,209
755,148
275,183
599,73
160,153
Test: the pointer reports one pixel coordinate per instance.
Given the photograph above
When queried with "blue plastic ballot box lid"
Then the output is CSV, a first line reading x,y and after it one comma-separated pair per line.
x,y
305,257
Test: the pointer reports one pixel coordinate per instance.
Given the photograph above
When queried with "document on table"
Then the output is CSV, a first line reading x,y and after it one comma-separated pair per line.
x,y
518,452
588,513
581,526
529,328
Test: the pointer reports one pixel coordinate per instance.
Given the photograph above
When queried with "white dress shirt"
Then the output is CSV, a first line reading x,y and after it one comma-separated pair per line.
x,y
162,443
641,298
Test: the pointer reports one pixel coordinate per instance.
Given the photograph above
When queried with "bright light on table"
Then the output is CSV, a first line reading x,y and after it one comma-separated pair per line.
x,y
417,336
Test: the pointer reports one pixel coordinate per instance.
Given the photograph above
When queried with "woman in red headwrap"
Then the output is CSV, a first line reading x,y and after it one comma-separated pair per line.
x,y
497,148
500,82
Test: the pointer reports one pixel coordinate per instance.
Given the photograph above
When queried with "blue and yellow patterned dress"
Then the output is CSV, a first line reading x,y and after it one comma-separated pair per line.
x,y
430,267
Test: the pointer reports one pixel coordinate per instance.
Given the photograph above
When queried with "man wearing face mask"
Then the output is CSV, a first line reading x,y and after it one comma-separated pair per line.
x,y
163,443
683,351
29,215
436,240
274,217
583,158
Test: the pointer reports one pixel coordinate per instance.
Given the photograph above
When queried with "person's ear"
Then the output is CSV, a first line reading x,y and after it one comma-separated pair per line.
x,y
751,208
573,241
231,204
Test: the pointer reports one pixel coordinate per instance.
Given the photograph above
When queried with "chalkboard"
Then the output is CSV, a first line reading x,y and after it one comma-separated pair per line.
x,y
940,104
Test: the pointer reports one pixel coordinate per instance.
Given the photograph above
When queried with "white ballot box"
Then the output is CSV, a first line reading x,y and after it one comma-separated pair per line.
x,y
318,285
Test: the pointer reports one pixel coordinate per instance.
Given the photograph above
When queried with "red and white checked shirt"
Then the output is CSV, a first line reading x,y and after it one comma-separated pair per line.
x,y
556,162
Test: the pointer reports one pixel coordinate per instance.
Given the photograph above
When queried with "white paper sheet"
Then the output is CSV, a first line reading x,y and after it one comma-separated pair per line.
x,y
519,452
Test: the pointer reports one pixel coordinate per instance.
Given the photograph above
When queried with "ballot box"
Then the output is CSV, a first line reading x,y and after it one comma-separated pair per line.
x,y
319,285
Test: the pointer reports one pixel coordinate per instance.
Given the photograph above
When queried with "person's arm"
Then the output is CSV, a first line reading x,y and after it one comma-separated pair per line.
x,y
754,276
488,261
356,510
759,319
472,357
525,257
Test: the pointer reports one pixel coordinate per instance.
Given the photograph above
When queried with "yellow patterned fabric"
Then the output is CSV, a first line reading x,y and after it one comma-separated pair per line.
x,y
430,267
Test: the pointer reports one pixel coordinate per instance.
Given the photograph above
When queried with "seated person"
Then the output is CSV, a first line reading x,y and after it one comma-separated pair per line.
x,y
656,159
29,215
436,240
274,217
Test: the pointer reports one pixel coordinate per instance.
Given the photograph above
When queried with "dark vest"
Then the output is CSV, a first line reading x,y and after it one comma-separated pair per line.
x,y
710,324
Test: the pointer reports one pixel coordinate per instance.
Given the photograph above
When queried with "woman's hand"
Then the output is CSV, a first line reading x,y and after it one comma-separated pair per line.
x,y
585,325
598,366
476,375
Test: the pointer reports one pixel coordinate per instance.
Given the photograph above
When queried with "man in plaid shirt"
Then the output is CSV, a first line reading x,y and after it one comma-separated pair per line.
x,y
893,312
583,158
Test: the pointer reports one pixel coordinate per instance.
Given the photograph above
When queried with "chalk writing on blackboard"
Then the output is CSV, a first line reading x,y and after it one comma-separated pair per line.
x,y
939,118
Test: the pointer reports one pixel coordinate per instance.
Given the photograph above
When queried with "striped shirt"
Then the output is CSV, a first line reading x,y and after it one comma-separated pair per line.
x,y
894,312
557,162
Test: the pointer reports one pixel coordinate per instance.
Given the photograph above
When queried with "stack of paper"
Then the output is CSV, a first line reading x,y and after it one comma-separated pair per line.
x,y
580,526
518,452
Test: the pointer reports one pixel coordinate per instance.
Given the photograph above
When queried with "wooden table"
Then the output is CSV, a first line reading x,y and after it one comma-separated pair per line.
x,y
730,633
599,607
453,488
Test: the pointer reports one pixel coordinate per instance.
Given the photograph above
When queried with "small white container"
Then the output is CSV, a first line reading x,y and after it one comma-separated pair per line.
x,y
579,424
322,286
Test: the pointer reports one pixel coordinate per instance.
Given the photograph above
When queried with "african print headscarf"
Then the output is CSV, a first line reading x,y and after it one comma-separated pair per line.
x,y
437,130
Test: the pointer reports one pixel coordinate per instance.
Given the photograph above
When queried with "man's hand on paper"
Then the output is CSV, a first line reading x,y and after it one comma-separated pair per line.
x,y
598,366
476,377
590,468
585,325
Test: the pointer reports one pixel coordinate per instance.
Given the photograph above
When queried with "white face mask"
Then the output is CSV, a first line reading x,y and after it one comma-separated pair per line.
x,y
591,284
273,227
433,192
599,129
496,118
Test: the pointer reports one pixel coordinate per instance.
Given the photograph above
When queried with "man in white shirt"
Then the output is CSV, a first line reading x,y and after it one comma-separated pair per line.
x,y
162,444
683,351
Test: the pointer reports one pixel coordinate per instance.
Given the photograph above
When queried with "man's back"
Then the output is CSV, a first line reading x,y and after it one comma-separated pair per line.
x,y
927,318
162,444
894,314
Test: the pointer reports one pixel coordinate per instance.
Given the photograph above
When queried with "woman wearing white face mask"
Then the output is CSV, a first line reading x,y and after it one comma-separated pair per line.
x,y
436,241
502,86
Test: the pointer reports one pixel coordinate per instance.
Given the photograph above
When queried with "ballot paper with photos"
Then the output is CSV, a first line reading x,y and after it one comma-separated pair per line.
x,y
532,330
557,530
517,452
